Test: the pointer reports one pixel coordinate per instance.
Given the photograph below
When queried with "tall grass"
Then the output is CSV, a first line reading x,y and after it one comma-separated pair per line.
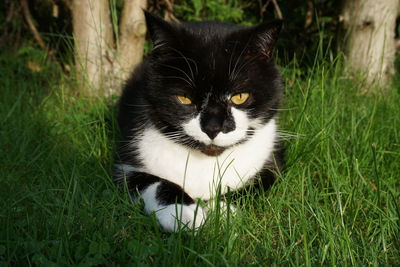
x,y
337,202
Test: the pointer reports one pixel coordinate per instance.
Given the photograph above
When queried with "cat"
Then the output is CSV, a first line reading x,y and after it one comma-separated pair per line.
x,y
198,117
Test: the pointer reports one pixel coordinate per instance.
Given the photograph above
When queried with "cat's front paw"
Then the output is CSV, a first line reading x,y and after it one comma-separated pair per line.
x,y
176,216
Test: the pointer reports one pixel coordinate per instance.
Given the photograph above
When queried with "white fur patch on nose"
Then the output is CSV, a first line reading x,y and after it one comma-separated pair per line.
x,y
193,129
241,126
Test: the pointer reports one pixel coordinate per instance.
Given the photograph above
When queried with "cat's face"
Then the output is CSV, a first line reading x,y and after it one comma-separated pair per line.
x,y
212,85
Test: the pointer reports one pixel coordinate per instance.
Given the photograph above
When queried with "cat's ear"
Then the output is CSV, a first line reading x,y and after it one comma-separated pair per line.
x,y
259,40
161,32
265,36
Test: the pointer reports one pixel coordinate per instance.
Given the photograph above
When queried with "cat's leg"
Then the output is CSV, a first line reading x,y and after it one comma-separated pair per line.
x,y
272,168
173,208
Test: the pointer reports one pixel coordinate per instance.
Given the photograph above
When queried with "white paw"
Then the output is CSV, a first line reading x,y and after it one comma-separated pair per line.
x,y
176,216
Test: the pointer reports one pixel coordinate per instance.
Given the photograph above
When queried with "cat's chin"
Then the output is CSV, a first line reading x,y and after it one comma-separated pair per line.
x,y
212,150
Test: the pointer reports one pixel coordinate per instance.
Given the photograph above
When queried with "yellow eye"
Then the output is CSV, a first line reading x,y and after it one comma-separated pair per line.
x,y
184,100
239,99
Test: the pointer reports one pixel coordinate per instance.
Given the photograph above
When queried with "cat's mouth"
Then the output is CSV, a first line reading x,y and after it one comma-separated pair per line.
x,y
212,150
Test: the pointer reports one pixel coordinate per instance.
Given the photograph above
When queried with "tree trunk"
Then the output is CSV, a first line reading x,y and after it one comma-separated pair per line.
x,y
132,37
93,42
101,66
370,44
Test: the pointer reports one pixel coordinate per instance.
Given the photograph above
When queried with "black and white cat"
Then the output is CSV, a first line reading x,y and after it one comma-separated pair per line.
x,y
198,117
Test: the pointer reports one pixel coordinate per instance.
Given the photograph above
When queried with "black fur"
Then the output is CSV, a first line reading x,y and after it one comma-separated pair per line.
x,y
169,193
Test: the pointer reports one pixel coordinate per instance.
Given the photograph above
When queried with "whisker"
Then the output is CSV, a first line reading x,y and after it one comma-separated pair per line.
x,y
283,109
286,135
191,60
185,58
180,78
238,59
242,66
178,69
230,59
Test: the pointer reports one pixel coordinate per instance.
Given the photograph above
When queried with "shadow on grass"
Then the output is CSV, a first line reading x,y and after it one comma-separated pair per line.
x,y
58,202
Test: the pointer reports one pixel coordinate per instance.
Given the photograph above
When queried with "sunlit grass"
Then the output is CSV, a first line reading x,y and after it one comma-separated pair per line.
x,y
337,202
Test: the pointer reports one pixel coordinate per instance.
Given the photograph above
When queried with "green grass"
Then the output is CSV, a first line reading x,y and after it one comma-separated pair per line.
x,y
337,203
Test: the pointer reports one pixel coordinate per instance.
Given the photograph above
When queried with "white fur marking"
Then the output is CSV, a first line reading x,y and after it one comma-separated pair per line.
x,y
177,216
149,197
241,126
166,159
171,217
193,129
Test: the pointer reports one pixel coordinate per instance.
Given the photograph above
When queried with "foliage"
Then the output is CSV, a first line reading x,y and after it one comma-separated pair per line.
x,y
297,38
223,10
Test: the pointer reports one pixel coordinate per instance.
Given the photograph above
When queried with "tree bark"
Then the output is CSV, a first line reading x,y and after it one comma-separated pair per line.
x,y
370,41
93,37
102,66
132,37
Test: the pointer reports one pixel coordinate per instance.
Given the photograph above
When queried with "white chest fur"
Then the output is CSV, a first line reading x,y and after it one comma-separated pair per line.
x,y
199,174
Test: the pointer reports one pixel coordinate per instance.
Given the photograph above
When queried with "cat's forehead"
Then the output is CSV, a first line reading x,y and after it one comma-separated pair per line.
x,y
207,71
208,39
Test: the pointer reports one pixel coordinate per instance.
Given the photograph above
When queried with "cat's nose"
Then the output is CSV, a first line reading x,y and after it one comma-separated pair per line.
x,y
212,129
212,134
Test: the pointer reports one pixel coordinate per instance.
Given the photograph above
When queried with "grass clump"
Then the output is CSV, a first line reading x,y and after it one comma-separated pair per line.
x,y
337,203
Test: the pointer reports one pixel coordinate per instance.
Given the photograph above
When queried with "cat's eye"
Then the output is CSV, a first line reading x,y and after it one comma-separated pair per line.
x,y
184,100
240,99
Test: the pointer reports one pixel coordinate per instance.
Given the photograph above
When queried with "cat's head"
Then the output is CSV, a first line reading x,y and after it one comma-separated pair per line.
x,y
211,85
